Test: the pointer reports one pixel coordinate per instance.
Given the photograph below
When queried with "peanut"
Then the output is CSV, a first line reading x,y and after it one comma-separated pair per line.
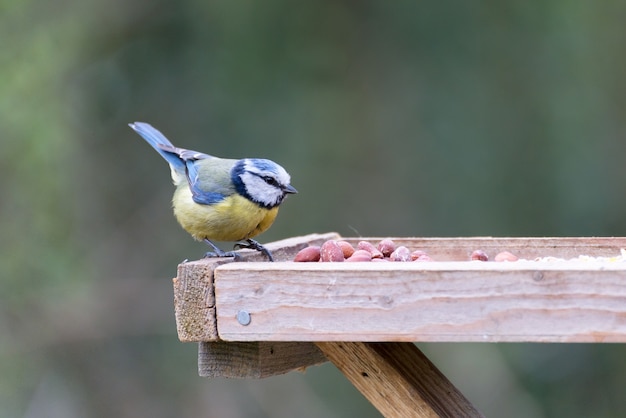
x,y
369,247
386,246
360,255
401,254
423,257
347,248
479,255
308,254
505,256
417,254
331,252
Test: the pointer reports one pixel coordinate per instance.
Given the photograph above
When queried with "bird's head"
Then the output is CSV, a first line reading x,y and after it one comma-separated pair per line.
x,y
262,181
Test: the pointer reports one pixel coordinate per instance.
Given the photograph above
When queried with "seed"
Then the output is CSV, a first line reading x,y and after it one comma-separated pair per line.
x,y
360,255
346,247
308,254
401,254
479,255
423,257
417,254
386,246
369,247
505,256
331,252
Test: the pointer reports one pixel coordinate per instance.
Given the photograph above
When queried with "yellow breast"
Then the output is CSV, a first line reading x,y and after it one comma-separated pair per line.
x,y
233,219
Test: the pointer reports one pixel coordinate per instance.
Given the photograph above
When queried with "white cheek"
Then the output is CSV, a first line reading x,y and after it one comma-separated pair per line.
x,y
260,191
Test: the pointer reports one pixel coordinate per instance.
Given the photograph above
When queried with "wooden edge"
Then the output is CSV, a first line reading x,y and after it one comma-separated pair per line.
x,y
194,293
255,359
398,379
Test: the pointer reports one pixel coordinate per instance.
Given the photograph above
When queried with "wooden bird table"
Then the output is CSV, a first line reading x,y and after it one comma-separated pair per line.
x,y
256,319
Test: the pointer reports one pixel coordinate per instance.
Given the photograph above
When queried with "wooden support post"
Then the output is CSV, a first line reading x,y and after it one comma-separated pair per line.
x,y
255,359
398,379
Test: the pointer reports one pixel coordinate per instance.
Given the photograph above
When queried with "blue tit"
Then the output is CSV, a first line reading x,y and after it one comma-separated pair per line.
x,y
219,199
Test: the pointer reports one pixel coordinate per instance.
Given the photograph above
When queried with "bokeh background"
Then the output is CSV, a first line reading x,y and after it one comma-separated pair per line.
x,y
406,118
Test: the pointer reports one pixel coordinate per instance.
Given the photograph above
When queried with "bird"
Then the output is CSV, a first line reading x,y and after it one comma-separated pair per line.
x,y
220,199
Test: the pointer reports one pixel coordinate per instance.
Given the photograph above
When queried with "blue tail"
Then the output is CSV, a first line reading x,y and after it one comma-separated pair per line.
x,y
161,144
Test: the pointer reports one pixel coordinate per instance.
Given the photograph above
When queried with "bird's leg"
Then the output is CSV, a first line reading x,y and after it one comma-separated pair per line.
x,y
254,245
220,253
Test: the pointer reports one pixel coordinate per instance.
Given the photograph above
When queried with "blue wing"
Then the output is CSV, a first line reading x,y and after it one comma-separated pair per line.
x,y
176,157
200,196
182,161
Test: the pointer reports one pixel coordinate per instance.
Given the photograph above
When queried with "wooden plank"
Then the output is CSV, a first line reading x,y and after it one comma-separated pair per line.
x,y
194,296
437,301
398,379
255,359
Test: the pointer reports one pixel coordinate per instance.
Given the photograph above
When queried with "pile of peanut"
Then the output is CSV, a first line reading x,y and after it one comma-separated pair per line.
x,y
385,250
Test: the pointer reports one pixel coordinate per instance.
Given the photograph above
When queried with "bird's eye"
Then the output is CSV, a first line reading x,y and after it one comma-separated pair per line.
x,y
271,181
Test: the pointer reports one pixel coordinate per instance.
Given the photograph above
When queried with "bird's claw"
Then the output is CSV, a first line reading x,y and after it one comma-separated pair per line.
x,y
213,254
254,245
250,244
219,253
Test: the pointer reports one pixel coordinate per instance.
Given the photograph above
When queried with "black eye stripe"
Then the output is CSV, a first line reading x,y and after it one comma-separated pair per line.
x,y
268,179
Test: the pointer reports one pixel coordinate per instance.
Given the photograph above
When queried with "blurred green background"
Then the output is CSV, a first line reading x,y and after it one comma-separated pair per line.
x,y
398,118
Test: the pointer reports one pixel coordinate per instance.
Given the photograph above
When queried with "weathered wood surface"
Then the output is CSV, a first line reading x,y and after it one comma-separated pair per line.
x,y
194,294
255,359
439,301
398,379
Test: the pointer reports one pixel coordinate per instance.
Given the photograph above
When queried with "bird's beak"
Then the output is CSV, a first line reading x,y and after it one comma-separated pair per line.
x,y
289,189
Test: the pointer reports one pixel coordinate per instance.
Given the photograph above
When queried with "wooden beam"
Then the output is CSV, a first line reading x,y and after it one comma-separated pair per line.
x,y
433,301
255,359
398,379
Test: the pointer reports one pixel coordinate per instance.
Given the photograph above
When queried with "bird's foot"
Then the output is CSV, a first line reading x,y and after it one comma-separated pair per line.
x,y
217,252
254,245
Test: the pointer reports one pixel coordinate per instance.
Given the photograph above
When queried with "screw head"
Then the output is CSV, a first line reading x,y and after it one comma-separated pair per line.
x,y
243,317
